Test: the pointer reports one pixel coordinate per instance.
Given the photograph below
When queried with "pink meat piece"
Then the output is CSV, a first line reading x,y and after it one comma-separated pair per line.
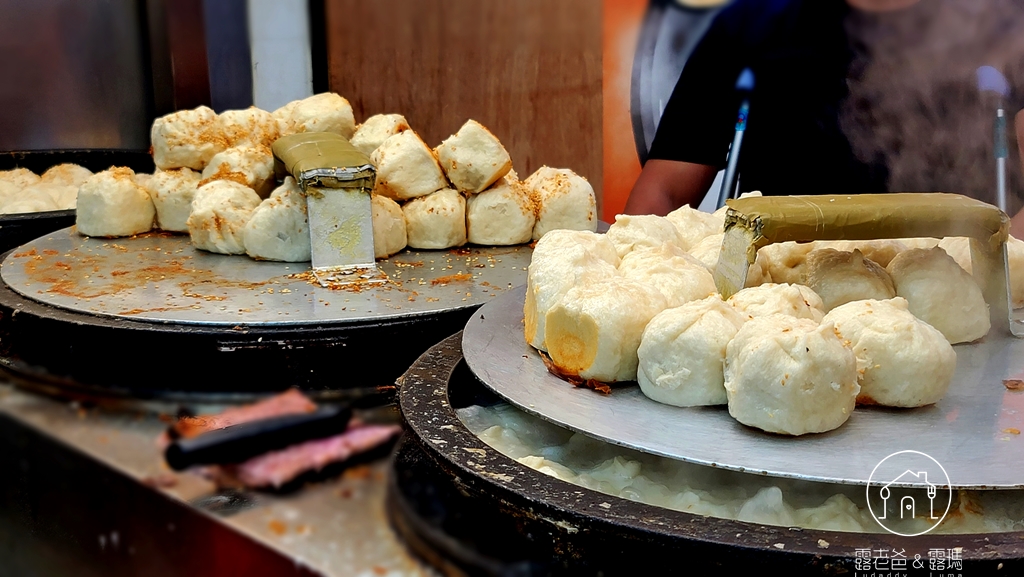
x,y
278,467
290,402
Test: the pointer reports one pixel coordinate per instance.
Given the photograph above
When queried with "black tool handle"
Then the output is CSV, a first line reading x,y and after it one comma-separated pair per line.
x,y
241,442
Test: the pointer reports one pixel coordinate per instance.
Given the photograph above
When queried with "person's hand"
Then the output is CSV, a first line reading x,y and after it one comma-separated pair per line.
x,y
1017,225
665,185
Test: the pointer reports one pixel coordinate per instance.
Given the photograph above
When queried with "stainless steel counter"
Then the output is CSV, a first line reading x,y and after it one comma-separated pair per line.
x,y
86,492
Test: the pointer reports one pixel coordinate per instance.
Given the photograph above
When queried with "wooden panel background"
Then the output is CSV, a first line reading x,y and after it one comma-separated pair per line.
x,y
529,70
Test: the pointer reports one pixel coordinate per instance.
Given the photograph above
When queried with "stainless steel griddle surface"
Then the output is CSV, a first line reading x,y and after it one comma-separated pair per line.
x,y
161,278
974,432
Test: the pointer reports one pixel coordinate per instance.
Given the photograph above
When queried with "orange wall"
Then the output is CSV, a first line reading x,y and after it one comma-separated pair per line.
x,y
621,27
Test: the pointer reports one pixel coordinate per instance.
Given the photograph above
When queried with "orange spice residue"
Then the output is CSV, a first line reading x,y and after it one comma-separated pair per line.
x,y
460,277
277,527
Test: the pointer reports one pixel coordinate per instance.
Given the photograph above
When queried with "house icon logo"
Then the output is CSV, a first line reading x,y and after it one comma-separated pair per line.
x,y
909,493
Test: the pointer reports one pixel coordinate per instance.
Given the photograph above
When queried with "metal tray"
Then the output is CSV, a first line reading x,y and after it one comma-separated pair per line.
x,y
970,431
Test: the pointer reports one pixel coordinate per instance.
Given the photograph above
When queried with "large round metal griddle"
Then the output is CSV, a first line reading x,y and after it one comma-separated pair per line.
x,y
151,317
447,485
973,432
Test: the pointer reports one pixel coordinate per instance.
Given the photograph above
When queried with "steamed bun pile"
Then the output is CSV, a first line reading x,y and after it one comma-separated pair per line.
x,y
820,327
464,190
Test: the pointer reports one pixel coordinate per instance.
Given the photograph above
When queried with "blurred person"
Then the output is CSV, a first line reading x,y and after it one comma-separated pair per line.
x,y
850,96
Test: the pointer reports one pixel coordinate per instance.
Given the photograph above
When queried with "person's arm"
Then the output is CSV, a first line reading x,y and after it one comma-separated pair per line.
x,y
665,185
1017,221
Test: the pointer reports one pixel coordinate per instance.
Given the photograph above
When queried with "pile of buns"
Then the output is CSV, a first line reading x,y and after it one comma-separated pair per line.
x,y
820,328
215,181
22,190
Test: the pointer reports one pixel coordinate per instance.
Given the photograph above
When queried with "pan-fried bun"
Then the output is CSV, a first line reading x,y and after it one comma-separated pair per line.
x,y
839,277
564,200
709,248
504,214
559,260
172,192
790,376
634,231
378,128
682,353
389,234
473,158
187,138
279,227
593,332
406,168
111,204
220,211
774,298
679,277
905,361
437,220
941,293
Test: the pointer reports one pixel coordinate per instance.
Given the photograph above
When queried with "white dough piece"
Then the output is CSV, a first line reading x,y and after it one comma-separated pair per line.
x,y
594,330
564,200
406,167
187,138
389,235
8,192
142,179
694,225
630,232
941,293
905,361
20,177
220,211
787,261
959,248
709,249
324,112
172,192
473,158
790,376
249,127
437,220
839,277
279,227
32,198
378,128
679,277
921,242
559,260
682,353
794,300
881,251
66,174
248,165
112,204
65,196
502,215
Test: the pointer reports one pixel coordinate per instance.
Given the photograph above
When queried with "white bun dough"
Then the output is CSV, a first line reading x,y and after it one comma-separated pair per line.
x,y
378,128
559,260
682,353
839,277
905,361
630,232
594,330
279,227
249,127
960,249
502,215
32,198
64,196
20,177
918,242
793,300
247,165
389,234
787,261
679,277
436,221
220,211
324,112
406,167
473,158
172,192
708,250
941,293
66,174
112,204
564,199
187,138
790,376
693,225
881,251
